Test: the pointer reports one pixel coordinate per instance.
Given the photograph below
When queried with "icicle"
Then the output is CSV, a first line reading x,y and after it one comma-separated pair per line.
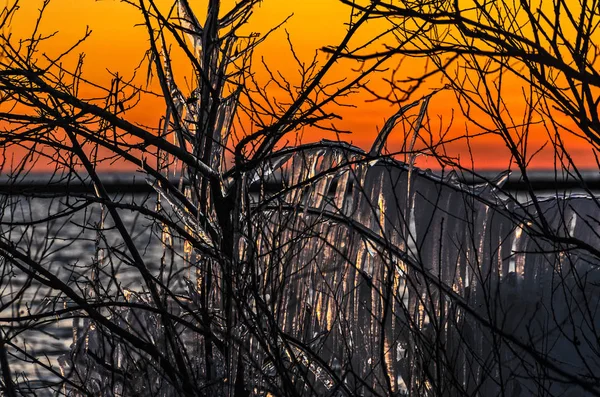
x,y
222,130
191,24
389,125
268,169
184,215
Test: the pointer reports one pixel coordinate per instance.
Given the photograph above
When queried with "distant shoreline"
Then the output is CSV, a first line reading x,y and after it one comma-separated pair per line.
x,y
132,183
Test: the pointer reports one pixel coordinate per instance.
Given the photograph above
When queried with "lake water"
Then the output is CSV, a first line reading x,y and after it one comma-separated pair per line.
x,y
66,246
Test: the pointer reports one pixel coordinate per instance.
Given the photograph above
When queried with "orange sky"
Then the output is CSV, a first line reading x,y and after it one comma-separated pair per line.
x,y
118,45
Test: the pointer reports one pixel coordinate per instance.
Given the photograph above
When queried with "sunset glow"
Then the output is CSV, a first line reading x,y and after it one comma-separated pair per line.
x,y
118,43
